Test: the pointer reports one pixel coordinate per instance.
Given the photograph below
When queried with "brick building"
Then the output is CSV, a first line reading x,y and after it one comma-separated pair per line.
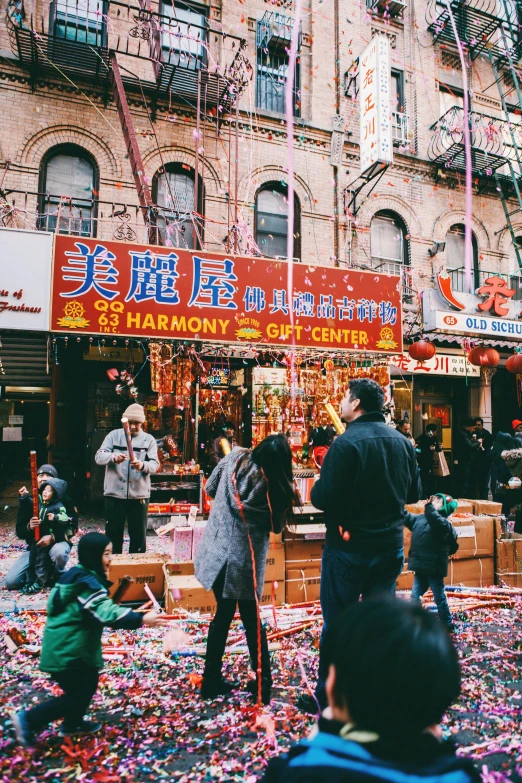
x,y
200,157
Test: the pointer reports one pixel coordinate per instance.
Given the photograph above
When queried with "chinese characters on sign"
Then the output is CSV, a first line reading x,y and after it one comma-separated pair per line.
x,y
374,102
441,364
497,292
127,289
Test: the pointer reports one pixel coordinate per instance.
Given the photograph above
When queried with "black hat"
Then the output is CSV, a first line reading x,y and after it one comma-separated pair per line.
x,y
90,550
50,470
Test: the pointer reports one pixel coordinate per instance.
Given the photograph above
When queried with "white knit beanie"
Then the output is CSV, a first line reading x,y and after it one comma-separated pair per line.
x,y
134,412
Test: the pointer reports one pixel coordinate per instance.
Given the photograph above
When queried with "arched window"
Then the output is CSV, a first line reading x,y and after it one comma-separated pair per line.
x,y
68,185
271,220
388,243
455,244
173,190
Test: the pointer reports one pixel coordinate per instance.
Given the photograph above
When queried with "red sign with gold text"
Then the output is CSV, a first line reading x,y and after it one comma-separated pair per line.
x,y
148,291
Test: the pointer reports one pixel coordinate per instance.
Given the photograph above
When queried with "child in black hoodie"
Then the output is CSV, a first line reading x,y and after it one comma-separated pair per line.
x,y
54,526
433,540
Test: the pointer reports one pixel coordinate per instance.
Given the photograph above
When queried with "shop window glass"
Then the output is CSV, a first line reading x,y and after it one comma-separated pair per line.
x,y
69,181
272,221
173,192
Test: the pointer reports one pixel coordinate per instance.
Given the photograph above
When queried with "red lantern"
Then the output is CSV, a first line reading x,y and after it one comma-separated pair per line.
x,y
483,357
514,364
422,351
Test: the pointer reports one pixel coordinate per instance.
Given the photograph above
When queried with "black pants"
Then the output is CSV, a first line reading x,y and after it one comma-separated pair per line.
x,y
78,686
220,626
135,512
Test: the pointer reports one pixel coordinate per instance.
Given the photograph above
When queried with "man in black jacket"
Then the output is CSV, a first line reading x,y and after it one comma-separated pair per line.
x,y
485,439
16,577
465,454
367,477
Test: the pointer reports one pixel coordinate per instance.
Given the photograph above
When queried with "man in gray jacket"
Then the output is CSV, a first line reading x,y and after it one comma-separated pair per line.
x,y
127,484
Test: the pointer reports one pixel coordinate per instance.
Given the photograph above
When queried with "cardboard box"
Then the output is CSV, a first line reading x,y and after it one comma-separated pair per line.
x,y
197,538
275,563
187,593
509,580
509,556
182,544
488,507
476,536
303,584
276,538
405,579
145,569
416,508
304,543
465,506
178,569
475,572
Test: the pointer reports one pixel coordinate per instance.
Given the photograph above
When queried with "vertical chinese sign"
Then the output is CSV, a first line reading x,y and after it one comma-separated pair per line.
x,y
114,288
374,95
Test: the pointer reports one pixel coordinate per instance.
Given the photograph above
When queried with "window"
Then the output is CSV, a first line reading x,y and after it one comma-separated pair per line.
x,y
272,68
68,180
173,192
514,268
388,244
399,118
184,35
271,220
449,99
82,21
455,243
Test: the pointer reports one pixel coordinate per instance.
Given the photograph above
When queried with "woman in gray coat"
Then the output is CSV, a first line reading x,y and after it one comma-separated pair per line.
x,y
253,491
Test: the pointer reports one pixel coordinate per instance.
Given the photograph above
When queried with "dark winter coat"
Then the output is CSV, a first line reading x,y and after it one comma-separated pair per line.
x,y
424,444
368,475
465,454
513,461
226,538
25,513
433,540
331,755
59,525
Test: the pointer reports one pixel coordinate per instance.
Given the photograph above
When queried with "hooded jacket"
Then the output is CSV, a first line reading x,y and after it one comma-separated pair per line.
x,y
60,525
78,609
433,539
368,475
25,512
333,756
122,481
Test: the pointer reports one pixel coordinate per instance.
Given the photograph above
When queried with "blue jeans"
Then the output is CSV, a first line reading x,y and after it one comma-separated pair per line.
x,y
16,577
421,583
345,578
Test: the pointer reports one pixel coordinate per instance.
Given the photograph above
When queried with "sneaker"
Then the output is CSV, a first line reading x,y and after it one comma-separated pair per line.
x,y
85,727
24,734
36,587
307,703
210,690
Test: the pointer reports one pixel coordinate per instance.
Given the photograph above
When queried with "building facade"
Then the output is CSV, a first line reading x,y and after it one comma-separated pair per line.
x,y
164,122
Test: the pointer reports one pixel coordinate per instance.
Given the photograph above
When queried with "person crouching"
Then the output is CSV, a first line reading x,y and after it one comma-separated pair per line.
x,y
433,540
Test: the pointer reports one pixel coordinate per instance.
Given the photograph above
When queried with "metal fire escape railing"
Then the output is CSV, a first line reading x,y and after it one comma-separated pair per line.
x,y
489,28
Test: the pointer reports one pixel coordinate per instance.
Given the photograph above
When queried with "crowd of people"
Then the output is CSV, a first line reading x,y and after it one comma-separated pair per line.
x,y
375,651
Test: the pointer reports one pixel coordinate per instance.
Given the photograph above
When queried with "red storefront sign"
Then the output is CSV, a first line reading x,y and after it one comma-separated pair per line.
x,y
113,288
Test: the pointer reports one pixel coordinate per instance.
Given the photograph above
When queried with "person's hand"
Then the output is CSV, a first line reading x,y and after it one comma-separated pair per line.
x,y
45,541
50,516
119,458
34,522
345,535
432,448
437,503
23,491
154,620
137,464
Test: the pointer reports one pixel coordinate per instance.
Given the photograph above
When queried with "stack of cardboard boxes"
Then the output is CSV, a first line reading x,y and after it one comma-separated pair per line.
x,y
304,546
509,561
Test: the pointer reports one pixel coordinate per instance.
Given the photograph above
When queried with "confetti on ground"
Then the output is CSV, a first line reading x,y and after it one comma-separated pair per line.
x,y
157,728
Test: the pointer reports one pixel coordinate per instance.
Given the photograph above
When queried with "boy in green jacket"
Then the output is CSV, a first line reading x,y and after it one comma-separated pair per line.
x,y
78,609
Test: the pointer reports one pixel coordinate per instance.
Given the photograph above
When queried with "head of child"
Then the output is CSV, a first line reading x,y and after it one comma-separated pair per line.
x,y
95,553
444,504
384,653
48,493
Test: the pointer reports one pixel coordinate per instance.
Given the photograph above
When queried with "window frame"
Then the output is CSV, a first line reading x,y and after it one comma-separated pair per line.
x,y
283,189
476,266
177,167
168,53
71,150
262,71
399,222
98,29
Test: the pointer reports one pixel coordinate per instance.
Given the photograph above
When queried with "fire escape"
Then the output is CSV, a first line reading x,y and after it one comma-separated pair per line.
x,y
487,28
126,50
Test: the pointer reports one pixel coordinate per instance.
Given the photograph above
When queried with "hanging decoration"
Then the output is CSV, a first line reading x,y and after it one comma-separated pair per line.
x,y
161,372
126,386
481,356
422,351
514,366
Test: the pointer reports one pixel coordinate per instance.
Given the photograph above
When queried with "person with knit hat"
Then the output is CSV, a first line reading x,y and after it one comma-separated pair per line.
x,y
78,610
127,483
433,540
18,575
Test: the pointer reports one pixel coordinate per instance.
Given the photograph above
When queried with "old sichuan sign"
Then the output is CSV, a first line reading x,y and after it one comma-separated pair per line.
x,y
135,290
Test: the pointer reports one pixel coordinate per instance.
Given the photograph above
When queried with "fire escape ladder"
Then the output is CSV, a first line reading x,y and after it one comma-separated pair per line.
x,y
148,208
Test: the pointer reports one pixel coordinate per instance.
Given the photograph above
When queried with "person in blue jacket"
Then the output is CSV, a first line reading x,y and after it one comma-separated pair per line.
x,y
393,673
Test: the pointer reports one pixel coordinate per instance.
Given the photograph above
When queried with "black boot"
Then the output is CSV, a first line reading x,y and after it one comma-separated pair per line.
x,y
213,683
266,675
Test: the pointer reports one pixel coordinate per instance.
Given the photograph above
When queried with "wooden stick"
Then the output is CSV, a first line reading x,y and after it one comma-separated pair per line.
x,y
34,489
